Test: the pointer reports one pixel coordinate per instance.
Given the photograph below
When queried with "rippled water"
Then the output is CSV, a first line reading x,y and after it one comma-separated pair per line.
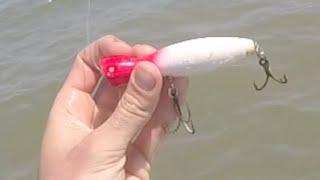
x,y
241,134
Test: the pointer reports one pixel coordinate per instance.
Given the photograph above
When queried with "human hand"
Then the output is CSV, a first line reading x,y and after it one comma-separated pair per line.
x,y
107,132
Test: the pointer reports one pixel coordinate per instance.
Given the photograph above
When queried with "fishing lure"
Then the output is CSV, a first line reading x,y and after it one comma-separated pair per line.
x,y
186,58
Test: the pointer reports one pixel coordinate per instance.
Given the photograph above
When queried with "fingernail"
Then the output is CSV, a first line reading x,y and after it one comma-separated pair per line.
x,y
144,78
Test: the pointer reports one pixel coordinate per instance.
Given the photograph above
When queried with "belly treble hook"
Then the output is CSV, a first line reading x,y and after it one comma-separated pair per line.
x,y
185,120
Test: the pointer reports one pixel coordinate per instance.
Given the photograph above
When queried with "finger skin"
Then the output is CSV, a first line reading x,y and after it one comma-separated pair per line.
x,y
107,96
164,116
82,134
156,129
83,79
71,116
134,110
85,72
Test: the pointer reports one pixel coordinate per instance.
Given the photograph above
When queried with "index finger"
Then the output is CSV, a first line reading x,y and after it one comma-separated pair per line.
x,y
85,72
72,113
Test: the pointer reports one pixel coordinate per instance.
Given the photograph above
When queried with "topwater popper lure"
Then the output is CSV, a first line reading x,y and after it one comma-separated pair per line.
x,y
186,58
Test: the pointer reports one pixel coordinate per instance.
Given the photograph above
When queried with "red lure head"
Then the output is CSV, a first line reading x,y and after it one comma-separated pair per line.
x,y
117,69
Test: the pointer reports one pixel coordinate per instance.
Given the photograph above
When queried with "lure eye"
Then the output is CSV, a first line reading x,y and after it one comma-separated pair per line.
x,y
118,68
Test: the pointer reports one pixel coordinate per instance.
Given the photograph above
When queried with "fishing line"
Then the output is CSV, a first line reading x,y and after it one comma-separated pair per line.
x,y
88,35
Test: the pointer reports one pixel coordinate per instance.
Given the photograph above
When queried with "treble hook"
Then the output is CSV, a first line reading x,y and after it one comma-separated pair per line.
x,y
263,61
187,123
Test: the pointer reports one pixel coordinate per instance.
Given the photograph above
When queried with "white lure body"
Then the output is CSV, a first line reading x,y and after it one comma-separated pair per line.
x,y
202,54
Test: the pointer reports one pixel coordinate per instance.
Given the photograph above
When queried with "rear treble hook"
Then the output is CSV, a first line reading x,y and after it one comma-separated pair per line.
x,y
263,61
186,122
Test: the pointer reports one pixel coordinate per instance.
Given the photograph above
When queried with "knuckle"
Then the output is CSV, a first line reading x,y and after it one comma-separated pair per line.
x,y
109,37
134,107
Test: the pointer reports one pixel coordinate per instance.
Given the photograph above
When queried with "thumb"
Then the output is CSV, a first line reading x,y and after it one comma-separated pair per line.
x,y
134,109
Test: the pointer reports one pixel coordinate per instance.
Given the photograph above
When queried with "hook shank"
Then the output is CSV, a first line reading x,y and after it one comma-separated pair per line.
x,y
187,123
